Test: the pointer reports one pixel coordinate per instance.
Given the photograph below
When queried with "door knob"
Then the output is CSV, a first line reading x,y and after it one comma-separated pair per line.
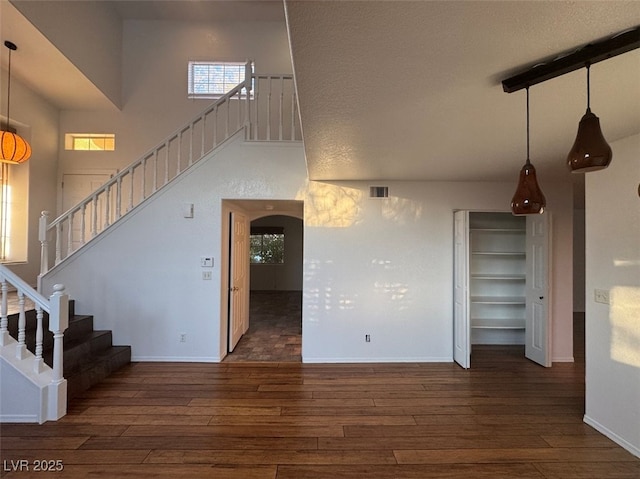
x,y
541,297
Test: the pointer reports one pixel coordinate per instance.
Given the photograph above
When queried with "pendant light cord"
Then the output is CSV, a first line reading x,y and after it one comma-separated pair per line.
x,y
528,125
8,87
588,65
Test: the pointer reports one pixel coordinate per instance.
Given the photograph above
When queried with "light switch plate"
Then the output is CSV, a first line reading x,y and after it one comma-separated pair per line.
x,y
601,296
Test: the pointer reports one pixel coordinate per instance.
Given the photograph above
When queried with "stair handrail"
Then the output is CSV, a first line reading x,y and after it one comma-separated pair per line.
x,y
56,306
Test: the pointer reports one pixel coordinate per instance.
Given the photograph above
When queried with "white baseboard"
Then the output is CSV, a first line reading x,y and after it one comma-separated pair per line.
x,y
568,359
7,418
173,359
308,360
635,450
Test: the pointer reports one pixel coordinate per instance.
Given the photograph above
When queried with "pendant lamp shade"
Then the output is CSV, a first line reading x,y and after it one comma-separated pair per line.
x,y
528,198
13,148
590,151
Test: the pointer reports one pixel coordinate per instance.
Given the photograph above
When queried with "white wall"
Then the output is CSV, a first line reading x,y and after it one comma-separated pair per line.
x,y
143,278
39,119
384,267
154,86
578,260
613,264
89,34
281,277
378,267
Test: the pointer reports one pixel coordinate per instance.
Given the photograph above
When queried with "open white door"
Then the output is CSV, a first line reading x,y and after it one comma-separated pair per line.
x,y
238,275
461,332
538,324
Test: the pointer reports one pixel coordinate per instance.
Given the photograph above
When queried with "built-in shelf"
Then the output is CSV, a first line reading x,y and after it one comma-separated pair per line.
x,y
500,253
499,277
498,299
498,230
492,323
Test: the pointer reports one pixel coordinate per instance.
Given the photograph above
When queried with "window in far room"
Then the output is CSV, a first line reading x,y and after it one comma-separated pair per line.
x,y
267,245
211,80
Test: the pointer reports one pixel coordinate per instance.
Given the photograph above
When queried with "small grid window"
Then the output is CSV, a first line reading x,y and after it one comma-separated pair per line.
x,y
214,79
90,141
267,245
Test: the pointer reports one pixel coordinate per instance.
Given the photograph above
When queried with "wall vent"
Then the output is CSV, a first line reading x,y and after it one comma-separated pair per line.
x,y
378,191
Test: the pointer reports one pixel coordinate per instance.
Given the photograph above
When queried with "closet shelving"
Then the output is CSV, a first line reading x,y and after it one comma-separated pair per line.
x,y
497,278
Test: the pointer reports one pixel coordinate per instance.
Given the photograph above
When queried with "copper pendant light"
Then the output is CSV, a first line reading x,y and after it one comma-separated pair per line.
x,y
13,148
528,198
590,151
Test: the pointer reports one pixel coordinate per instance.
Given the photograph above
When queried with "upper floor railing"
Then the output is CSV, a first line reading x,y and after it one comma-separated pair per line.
x,y
264,105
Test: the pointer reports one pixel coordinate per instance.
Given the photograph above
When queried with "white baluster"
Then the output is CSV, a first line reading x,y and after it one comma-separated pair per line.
x,y
226,127
293,113
204,134
143,179
269,112
22,325
4,318
166,164
37,365
256,102
191,128
58,242
70,235
280,113
83,223
215,126
94,219
155,171
119,197
131,177
43,224
239,117
107,207
179,157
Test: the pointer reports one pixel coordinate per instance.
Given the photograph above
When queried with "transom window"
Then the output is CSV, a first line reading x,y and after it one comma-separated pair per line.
x,y
214,79
90,141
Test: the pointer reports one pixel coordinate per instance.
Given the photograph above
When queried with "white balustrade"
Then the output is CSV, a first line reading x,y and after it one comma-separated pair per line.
x,y
57,307
249,105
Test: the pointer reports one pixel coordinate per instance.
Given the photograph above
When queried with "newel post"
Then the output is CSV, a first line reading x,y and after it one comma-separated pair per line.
x,y
44,246
58,323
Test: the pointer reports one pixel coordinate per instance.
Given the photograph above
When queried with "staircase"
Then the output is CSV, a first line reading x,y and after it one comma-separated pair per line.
x,y
89,356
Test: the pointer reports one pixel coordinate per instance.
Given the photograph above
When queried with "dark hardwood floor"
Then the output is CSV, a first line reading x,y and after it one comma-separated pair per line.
x,y
504,418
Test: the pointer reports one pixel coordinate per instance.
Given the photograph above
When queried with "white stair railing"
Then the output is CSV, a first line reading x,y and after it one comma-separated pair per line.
x,y
264,105
57,307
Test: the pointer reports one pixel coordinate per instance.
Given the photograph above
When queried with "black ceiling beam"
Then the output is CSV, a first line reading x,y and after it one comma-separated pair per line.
x,y
589,54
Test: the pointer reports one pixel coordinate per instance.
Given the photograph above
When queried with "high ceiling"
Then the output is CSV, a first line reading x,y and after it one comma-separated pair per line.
x,y
408,90
412,90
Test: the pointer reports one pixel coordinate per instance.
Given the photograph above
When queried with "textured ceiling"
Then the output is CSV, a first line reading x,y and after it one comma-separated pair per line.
x,y
406,90
411,90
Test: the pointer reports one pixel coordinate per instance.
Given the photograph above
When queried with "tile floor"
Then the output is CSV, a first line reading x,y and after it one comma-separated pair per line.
x,y
275,328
